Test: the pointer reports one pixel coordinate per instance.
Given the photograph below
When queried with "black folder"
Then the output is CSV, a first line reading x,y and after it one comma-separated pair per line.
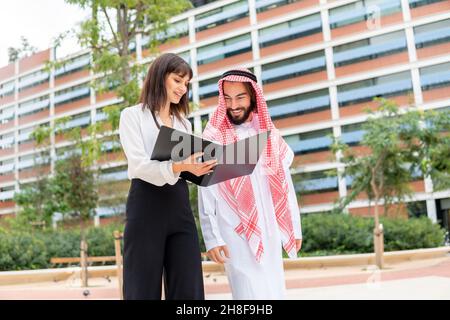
x,y
234,160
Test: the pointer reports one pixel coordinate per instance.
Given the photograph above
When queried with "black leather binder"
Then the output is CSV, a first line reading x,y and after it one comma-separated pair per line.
x,y
234,160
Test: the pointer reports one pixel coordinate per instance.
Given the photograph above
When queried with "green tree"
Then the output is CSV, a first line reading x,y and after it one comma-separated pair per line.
x,y
41,199
110,32
400,143
25,50
36,200
76,187
37,203
426,136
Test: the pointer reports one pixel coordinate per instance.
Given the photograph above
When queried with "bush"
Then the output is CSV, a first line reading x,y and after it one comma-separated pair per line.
x,y
412,234
323,234
20,249
339,233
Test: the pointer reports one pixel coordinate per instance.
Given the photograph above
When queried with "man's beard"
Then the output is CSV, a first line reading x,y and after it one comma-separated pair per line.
x,y
242,119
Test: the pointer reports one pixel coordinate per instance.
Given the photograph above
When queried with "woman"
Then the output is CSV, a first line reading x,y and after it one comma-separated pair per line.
x,y
160,234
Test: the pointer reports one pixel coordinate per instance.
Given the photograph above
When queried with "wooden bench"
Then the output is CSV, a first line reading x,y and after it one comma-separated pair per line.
x,y
118,237
77,260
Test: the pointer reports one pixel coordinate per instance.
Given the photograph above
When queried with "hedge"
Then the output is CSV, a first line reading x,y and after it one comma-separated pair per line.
x,y
22,250
326,234
323,234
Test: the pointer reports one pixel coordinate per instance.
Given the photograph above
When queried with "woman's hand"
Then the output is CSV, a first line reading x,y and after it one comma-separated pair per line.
x,y
193,166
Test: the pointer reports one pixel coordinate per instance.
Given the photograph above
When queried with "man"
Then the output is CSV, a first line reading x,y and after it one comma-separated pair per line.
x,y
246,221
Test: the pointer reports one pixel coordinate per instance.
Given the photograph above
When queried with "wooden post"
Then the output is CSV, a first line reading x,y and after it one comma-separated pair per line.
x,y
84,263
119,261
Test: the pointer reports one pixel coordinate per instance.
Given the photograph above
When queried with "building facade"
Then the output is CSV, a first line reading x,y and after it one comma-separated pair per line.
x,y
320,64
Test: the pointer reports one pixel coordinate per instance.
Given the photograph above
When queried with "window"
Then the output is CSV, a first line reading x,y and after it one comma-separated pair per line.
x,y
310,142
73,65
81,120
290,30
7,115
293,67
416,174
7,89
368,49
420,3
365,90
25,135
432,34
199,3
352,134
208,88
299,104
315,182
186,56
100,115
107,211
34,79
177,29
111,146
33,160
264,5
7,167
224,49
72,94
362,11
33,106
107,85
221,15
7,140
65,152
437,76
7,193
417,209
114,174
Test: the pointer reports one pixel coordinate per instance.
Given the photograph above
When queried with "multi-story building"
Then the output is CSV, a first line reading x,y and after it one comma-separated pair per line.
x,y
320,63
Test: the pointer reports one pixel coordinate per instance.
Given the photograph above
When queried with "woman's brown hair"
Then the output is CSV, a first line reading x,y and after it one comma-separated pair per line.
x,y
154,95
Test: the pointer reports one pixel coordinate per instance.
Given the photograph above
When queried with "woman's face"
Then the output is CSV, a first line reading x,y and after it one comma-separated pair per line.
x,y
176,87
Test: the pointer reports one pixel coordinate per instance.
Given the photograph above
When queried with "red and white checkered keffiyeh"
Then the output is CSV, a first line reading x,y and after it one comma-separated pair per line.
x,y
238,193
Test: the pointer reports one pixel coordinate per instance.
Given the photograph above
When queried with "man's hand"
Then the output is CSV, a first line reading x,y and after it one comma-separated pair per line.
x,y
217,254
298,244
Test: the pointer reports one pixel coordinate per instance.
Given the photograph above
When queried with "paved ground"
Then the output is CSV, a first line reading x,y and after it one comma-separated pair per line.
x,y
423,279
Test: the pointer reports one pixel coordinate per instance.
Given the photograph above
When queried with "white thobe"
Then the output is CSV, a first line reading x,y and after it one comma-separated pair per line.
x,y
249,279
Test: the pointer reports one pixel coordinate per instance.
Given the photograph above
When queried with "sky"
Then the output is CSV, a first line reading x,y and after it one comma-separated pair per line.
x,y
40,21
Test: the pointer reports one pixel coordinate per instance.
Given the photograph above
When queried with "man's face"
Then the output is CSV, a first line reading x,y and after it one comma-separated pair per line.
x,y
238,102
